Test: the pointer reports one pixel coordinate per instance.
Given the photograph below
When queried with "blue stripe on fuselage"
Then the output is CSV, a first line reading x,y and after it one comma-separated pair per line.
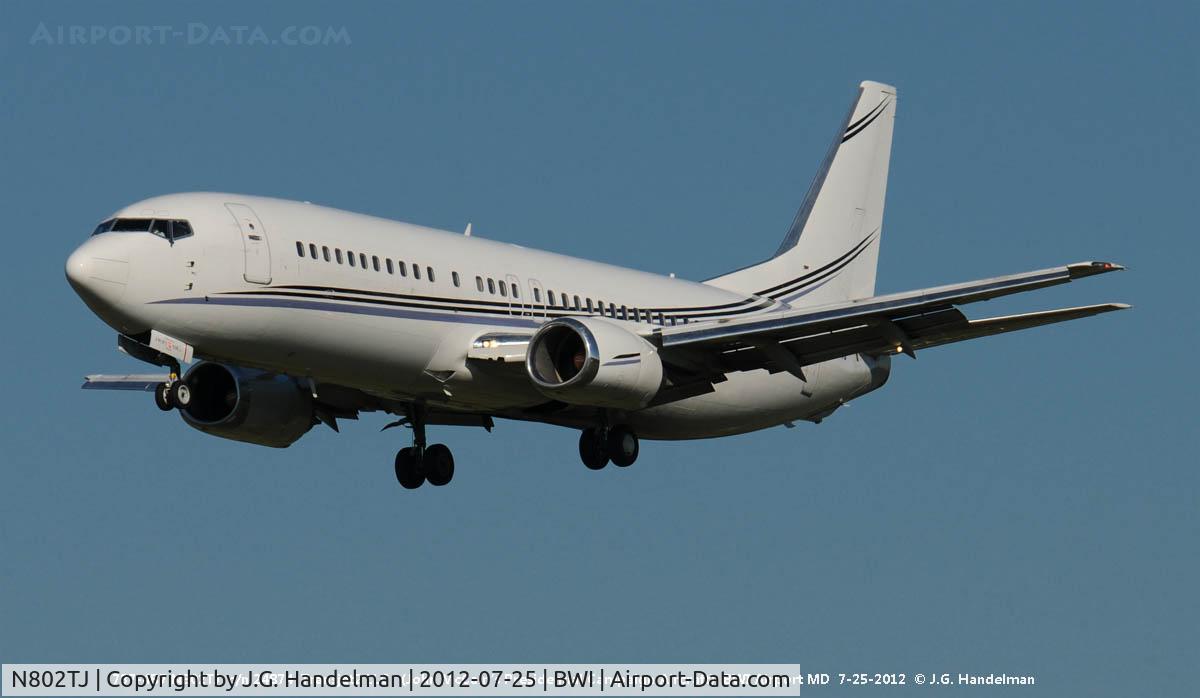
x,y
338,307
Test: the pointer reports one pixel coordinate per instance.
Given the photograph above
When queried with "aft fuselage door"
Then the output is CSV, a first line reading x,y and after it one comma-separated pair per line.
x,y
254,243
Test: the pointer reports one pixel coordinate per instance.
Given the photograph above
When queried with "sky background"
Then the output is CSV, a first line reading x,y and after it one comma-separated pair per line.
x,y
1023,504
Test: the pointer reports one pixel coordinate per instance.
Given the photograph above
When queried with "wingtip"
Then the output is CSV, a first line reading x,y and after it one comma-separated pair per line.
x,y
1082,269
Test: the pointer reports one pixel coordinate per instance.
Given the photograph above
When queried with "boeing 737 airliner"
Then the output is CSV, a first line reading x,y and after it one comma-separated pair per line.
x,y
300,314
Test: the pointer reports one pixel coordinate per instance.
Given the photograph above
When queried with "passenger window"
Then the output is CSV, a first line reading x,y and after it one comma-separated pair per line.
x,y
375,262
362,260
503,290
416,271
131,225
391,268
515,291
589,305
325,252
577,305
403,268
479,283
624,313
337,252
537,294
312,250
350,257
429,274
454,278
550,297
299,249
491,286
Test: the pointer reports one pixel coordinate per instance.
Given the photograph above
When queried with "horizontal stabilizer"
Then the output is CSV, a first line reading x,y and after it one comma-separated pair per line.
x,y
144,382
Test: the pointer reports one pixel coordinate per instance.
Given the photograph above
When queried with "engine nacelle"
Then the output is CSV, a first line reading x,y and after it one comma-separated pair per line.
x,y
247,405
590,361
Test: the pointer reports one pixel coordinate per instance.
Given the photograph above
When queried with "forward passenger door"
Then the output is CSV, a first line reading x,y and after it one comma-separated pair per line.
x,y
256,248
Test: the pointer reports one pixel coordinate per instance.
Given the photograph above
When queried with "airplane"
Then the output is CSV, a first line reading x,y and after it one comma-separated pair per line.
x,y
293,315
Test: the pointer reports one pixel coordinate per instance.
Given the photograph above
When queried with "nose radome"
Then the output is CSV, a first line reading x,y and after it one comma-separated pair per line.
x,y
98,271
79,267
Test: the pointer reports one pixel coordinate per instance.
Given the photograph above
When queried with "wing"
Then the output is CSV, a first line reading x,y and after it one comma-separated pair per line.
x,y
902,322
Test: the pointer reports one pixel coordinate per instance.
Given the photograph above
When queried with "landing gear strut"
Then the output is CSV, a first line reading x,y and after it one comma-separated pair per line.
x,y
418,463
597,446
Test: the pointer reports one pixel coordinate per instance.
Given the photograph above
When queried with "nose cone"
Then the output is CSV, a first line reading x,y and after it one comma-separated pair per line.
x,y
99,271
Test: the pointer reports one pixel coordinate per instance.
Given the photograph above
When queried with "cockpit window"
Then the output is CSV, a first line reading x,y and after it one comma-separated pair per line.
x,y
165,228
131,225
170,229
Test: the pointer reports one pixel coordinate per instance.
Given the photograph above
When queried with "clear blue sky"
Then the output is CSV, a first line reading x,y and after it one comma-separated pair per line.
x,y
1022,504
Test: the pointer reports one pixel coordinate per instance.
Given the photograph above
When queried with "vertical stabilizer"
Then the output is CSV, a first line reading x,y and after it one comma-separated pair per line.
x,y
832,247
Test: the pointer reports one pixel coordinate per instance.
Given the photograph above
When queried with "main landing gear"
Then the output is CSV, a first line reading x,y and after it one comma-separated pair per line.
x,y
419,463
597,446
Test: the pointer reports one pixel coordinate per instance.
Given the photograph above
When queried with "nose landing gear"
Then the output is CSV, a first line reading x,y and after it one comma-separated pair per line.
x,y
598,446
172,394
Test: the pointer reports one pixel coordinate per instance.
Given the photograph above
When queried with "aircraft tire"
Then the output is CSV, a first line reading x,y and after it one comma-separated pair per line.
x,y
591,449
622,446
180,394
408,469
439,465
162,397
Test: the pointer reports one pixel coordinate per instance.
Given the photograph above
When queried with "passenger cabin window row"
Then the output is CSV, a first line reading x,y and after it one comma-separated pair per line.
x,y
573,303
171,229
360,260
489,285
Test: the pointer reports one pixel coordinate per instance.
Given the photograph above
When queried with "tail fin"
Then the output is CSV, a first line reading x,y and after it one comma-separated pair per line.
x,y
832,248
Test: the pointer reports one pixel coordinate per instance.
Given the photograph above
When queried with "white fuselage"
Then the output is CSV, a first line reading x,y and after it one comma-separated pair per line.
x,y
246,289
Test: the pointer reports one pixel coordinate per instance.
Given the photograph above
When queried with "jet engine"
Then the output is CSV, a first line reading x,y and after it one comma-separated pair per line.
x,y
247,405
590,361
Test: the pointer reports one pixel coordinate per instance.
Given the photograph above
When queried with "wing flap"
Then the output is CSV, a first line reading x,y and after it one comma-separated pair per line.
x,y
987,327
921,332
